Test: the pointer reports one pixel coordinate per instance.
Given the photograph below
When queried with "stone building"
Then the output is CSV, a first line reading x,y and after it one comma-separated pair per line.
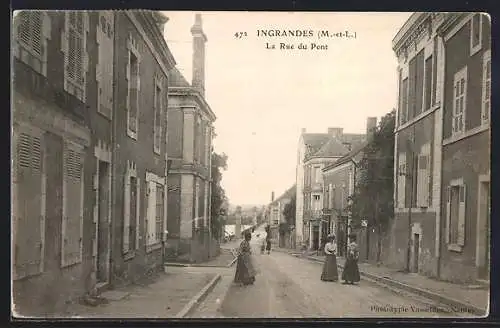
x,y
190,134
280,237
315,151
442,146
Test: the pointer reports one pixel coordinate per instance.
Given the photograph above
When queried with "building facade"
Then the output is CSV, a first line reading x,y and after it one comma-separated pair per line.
x,y
316,150
190,147
280,237
339,181
465,192
55,132
142,63
442,146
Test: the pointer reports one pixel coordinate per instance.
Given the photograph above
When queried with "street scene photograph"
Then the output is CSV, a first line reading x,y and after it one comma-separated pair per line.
x,y
213,165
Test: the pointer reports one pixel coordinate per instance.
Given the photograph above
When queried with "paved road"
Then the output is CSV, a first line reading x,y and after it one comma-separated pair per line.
x,y
290,287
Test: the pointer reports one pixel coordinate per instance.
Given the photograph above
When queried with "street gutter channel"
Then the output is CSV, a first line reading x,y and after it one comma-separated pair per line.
x,y
397,286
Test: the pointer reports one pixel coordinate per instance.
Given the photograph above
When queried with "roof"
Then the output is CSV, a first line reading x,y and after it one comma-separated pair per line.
x,y
314,141
326,145
176,79
289,193
332,147
348,156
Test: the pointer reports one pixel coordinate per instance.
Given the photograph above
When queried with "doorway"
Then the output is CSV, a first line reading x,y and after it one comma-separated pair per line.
x,y
103,222
416,251
484,229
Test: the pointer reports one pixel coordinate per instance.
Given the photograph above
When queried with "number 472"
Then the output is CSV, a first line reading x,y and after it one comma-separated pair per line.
x,y
239,35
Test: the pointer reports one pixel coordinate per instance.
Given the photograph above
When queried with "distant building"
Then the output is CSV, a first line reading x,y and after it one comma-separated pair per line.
x,y
276,208
315,151
442,150
190,134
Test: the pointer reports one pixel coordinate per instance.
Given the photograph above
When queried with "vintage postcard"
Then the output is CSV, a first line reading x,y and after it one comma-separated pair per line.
x,y
250,164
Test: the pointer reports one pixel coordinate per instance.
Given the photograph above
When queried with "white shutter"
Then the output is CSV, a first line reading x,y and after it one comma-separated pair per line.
x,y
461,216
486,95
126,215
137,216
151,212
448,214
423,181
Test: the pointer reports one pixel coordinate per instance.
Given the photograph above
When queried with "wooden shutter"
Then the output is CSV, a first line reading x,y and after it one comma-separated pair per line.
x,y
29,203
486,105
401,180
126,214
157,119
29,31
151,216
423,181
136,208
73,207
461,216
159,212
448,214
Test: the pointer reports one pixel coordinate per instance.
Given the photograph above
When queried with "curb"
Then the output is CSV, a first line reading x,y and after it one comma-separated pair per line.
x,y
460,305
198,297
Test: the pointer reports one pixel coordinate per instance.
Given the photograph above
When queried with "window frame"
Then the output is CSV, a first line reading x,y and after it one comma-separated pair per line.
x,y
457,77
401,176
101,68
132,49
452,245
157,127
476,48
152,180
130,173
423,177
486,112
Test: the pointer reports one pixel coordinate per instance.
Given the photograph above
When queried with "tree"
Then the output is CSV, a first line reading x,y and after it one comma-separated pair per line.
x,y
218,195
289,213
373,193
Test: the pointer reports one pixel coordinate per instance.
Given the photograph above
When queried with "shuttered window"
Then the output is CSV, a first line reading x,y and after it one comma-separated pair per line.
x,y
428,83
456,214
133,94
404,101
130,217
73,193
75,51
402,171
159,212
29,32
158,112
459,101
28,206
423,177
486,94
104,67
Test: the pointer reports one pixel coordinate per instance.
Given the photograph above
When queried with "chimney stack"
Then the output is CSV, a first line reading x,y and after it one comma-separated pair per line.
x,y
199,39
272,196
336,132
371,126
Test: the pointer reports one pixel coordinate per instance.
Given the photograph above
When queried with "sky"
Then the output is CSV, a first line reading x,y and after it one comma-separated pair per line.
x,y
264,97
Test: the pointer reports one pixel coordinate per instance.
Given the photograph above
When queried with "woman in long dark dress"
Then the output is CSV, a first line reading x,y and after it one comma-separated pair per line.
x,y
245,271
350,275
330,272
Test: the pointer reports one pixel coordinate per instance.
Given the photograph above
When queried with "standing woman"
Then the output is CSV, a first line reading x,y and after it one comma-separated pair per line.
x,y
268,239
330,272
350,275
245,270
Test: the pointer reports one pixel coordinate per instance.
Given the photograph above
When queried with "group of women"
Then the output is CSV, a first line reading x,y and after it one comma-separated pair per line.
x,y
246,272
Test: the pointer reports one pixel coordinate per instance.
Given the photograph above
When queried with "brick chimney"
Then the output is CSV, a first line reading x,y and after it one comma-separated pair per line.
x,y
371,126
272,196
199,39
336,132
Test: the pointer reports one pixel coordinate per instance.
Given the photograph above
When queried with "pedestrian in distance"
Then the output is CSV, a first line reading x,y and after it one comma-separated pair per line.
x,y
245,269
330,271
268,239
350,275
263,246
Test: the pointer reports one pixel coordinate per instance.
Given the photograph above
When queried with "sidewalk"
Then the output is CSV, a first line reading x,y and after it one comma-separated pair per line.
x,y
465,297
168,295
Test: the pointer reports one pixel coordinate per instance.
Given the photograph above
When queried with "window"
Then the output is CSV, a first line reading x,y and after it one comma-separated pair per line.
x,y
73,194
74,47
33,30
428,83
196,202
133,79
423,177
402,171
131,210
404,101
486,94
476,31
104,67
28,204
317,175
155,210
207,143
158,117
351,183
316,197
455,211
416,84
459,101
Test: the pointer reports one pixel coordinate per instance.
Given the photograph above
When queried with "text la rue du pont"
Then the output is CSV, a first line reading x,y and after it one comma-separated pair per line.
x,y
303,34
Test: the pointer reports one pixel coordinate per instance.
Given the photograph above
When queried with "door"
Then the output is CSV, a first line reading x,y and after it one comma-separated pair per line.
x,y
416,248
103,223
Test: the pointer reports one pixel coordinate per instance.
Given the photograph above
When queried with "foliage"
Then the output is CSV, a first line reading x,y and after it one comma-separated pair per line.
x,y
218,195
289,211
373,193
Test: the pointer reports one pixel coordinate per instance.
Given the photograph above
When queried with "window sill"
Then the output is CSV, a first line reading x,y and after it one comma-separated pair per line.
x,y
26,276
466,134
67,265
153,247
455,248
131,134
417,118
157,151
415,210
128,255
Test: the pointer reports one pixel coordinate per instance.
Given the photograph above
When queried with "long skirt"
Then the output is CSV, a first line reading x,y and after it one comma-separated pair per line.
x,y
245,272
330,272
351,271
268,246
